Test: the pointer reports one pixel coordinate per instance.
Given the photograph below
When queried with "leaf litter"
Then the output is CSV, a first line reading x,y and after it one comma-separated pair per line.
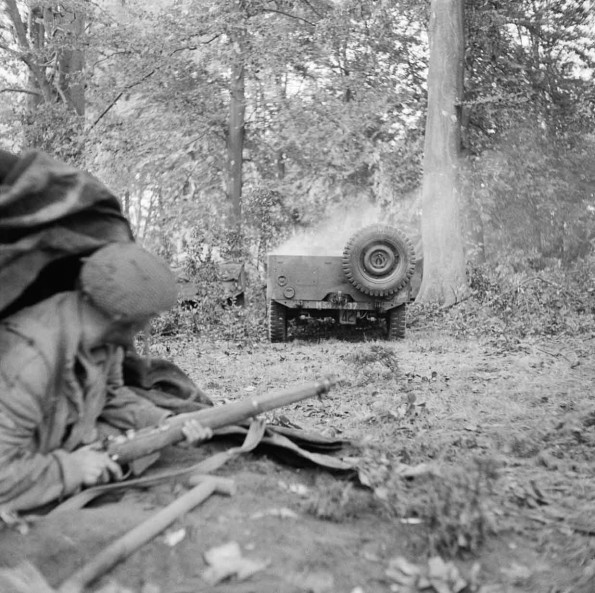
x,y
443,471
227,561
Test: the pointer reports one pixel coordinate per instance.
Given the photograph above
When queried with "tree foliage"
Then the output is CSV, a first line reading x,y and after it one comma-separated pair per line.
x,y
335,104
528,128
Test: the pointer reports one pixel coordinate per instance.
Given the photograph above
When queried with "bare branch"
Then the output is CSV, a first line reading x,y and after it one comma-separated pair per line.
x,y
19,90
10,50
291,16
26,56
105,58
141,80
119,95
211,39
309,5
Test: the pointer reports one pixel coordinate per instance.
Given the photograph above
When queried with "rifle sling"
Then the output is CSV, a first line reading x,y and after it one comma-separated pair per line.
x,y
210,464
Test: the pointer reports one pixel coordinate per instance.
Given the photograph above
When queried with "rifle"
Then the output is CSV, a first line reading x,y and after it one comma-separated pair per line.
x,y
140,443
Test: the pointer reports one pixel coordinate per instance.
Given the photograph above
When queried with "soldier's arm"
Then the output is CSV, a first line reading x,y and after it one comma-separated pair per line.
x,y
125,409
29,477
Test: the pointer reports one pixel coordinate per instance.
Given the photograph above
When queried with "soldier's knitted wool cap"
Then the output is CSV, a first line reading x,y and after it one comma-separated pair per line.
x,y
127,282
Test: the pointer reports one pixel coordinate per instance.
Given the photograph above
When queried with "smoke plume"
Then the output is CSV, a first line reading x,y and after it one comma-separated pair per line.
x,y
330,236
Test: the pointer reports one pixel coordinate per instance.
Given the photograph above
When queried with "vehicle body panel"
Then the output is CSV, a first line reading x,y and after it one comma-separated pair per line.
x,y
317,282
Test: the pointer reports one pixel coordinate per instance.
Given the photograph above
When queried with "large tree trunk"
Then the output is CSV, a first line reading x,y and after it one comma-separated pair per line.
x,y
237,112
66,83
444,261
72,61
50,45
37,78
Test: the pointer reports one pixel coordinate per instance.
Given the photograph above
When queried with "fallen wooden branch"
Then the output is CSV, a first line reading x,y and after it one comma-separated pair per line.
x,y
25,578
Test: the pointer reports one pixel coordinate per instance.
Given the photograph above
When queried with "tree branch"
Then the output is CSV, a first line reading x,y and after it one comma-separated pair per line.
x,y
291,16
103,59
119,95
211,39
309,5
21,35
136,83
14,52
19,90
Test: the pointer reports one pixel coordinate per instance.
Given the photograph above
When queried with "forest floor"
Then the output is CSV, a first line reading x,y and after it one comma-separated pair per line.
x,y
475,461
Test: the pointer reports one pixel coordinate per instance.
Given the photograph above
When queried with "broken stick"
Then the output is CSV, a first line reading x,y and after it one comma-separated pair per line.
x,y
141,534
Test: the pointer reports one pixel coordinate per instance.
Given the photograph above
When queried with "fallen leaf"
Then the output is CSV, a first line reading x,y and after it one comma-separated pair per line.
x,y
295,488
439,575
404,566
403,572
283,513
173,538
222,553
299,489
424,583
364,479
226,561
407,471
370,556
313,582
381,493
516,573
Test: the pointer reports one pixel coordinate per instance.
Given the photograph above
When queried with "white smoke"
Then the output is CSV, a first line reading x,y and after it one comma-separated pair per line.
x,y
329,237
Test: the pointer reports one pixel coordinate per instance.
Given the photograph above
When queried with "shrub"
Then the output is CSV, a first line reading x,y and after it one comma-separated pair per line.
x,y
453,504
555,300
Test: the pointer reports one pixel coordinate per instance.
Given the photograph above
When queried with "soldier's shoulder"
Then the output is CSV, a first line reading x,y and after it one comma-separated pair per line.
x,y
19,355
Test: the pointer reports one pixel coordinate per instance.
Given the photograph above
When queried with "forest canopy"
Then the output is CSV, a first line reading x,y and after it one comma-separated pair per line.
x,y
228,126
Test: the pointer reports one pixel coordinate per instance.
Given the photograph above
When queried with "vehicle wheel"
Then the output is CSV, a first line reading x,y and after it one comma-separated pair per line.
x,y
378,260
396,323
277,322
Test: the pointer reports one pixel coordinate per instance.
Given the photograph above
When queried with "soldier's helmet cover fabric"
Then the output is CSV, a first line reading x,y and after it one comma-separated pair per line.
x,y
127,282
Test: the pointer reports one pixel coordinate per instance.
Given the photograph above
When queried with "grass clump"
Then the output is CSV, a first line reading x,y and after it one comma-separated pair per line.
x,y
457,509
372,362
374,353
452,504
338,501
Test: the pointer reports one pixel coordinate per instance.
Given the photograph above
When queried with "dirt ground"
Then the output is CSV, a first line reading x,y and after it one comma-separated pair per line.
x,y
421,412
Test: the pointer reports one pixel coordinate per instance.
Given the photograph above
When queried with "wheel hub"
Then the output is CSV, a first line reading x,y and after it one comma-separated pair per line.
x,y
379,260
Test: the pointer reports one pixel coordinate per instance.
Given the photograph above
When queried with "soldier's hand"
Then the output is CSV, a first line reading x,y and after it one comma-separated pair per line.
x,y
96,467
195,432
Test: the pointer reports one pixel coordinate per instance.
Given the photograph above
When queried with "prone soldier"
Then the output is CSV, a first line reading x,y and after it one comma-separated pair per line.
x,y
61,386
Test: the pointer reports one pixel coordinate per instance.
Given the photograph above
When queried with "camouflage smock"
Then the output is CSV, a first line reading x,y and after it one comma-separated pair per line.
x,y
52,397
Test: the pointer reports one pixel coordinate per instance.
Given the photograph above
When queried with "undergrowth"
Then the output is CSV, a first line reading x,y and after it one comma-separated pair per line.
x,y
456,507
213,316
508,305
336,501
502,304
453,504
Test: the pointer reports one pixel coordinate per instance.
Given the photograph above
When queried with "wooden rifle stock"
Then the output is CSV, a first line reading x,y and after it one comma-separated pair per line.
x,y
136,444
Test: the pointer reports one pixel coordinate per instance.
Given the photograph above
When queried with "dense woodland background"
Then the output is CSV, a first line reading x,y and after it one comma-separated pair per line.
x,y
229,127
232,128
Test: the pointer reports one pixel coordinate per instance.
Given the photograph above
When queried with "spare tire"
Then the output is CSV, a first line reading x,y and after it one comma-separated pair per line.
x,y
379,260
